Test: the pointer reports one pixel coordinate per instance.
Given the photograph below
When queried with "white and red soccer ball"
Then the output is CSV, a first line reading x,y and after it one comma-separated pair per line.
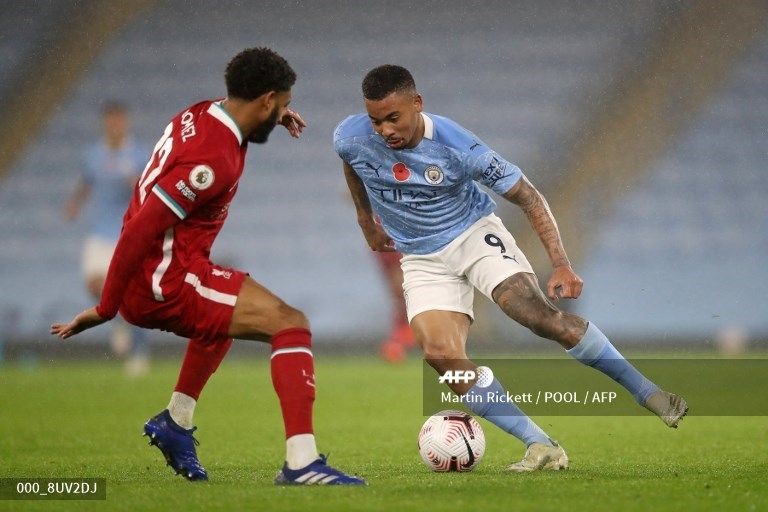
x,y
451,441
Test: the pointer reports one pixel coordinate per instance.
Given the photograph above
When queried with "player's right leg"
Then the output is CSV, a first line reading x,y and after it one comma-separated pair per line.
x,y
499,269
172,429
260,315
520,297
439,302
443,336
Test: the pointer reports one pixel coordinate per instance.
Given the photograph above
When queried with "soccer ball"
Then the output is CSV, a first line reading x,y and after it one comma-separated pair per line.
x,y
451,441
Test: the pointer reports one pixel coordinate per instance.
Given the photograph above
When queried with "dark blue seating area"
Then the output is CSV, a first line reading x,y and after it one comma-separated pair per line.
x,y
522,76
685,251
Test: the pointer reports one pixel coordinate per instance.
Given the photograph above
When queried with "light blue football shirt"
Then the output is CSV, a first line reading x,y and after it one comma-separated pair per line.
x,y
109,173
428,195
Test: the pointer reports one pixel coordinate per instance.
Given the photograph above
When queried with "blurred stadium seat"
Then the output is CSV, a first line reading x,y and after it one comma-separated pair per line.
x,y
684,255
522,77
25,27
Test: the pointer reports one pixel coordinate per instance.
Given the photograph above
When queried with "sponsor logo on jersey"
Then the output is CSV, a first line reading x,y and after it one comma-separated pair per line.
x,y
201,177
374,169
434,175
185,190
495,171
401,171
187,126
226,274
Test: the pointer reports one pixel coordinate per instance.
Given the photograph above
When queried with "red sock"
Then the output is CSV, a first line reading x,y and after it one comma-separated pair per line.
x,y
200,361
293,376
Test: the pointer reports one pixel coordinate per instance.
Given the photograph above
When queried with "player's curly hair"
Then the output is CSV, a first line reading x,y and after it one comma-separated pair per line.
x,y
382,81
255,71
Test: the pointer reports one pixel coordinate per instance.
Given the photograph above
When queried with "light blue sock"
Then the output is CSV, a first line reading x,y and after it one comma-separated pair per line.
x,y
505,415
596,350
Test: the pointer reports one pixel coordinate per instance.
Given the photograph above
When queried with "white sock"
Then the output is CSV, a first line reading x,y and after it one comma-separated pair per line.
x,y
182,407
300,451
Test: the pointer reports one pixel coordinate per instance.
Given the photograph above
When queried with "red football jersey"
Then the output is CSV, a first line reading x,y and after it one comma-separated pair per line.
x,y
194,170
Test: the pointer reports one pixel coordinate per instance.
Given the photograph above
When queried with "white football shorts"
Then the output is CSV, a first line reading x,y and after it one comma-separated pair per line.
x,y
97,253
481,257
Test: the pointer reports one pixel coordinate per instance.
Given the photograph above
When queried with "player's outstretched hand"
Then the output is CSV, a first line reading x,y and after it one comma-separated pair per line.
x,y
564,284
293,122
85,320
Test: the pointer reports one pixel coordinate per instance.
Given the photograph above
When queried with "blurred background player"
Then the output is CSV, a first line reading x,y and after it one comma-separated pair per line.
x,y
110,170
400,338
417,173
161,275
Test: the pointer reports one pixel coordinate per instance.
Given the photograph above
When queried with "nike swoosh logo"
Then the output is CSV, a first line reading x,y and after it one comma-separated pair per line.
x,y
471,461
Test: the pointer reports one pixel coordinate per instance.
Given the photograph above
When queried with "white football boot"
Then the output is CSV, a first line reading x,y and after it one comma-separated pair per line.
x,y
669,407
540,456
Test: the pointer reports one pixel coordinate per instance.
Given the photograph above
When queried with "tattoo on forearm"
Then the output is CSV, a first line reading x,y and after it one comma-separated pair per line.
x,y
543,222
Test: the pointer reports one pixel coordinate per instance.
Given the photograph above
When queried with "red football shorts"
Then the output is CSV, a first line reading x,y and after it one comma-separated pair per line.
x,y
201,308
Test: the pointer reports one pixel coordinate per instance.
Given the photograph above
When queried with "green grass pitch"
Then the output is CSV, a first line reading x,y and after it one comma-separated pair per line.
x,y
67,419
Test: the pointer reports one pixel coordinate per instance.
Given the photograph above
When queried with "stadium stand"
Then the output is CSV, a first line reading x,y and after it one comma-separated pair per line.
x,y
522,77
683,255
25,28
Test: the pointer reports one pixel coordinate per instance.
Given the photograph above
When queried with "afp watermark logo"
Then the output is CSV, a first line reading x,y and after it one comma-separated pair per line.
x,y
482,376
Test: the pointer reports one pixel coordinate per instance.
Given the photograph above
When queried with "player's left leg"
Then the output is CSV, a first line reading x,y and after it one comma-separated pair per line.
x,y
498,268
520,297
262,316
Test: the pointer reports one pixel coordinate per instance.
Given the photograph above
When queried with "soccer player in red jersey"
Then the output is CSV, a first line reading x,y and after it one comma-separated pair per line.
x,y
394,348
161,276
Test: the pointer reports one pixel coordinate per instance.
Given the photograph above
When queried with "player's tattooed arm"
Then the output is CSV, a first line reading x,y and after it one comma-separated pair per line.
x,y
535,207
564,281
377,238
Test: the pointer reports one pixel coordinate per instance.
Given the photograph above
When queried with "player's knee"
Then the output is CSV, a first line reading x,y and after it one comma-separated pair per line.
x,y
575,327
548,325
560,327
442,358
290,317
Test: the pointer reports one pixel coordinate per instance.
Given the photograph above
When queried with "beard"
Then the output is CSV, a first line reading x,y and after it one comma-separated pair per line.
x,y
261,133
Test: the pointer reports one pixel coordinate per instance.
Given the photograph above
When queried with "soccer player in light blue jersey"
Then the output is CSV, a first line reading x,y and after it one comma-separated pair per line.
x,y
111,167
419,173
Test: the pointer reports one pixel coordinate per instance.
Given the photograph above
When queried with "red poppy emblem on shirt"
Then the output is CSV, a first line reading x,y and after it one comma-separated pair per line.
x,y
401,171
